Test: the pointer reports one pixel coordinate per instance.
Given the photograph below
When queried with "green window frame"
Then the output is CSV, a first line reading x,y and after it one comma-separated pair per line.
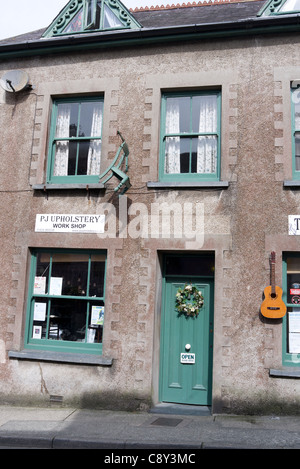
x,y
95,15
295,105
280,7
82,16
190,141
74,154
288,7
66,298
291,297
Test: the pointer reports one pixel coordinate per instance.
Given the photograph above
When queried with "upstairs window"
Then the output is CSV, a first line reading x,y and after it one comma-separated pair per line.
x,y
279,7
75,141
296,132
85,16
93,17
190,136
289,6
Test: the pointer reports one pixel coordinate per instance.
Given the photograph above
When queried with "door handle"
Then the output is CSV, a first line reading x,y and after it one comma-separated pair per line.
x,y
187,346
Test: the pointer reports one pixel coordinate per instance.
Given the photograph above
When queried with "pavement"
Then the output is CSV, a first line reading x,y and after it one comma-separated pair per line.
x,y
168,428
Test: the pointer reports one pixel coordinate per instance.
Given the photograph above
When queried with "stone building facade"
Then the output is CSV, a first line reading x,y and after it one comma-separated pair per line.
x,y
213,229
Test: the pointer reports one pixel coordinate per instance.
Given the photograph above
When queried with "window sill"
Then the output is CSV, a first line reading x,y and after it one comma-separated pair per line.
x,y
285,373
295,184
46,187
188,185
74,358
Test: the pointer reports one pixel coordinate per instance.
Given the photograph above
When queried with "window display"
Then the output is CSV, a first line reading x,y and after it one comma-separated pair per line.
x,y
293,303
66,299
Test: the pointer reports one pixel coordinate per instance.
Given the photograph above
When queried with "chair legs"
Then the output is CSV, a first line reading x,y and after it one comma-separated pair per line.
x,y
124,180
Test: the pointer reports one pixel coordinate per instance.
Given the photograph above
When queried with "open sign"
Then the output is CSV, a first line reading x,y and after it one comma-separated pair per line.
x,y
187,357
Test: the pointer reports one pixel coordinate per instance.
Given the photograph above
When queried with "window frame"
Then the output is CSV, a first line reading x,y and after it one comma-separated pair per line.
x,y
90,8
60,345
70,179
273,8
287,12
86,14
189,177
287,358
90,17
295,172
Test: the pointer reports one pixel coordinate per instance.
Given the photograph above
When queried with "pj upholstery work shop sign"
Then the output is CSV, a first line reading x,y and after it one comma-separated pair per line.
x,y
69,223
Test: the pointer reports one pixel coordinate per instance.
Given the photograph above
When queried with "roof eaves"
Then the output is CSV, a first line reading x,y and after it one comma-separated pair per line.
x,y
147,35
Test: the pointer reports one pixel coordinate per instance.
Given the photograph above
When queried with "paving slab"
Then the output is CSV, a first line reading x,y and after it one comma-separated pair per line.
x,y
61,428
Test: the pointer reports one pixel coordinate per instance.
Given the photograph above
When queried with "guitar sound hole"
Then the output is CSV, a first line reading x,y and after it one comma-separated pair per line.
x,y
273,295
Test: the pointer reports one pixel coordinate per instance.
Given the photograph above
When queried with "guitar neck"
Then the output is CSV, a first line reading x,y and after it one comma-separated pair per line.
x,y
273,278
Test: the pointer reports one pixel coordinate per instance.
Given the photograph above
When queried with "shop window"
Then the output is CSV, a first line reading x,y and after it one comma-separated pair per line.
x,y
291,322
190,137
66,301
75,141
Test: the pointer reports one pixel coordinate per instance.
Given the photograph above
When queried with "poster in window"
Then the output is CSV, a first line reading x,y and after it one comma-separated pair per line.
x,y
39,311
294,342
39,285
55,285
97,318
294,331
37,332
294,321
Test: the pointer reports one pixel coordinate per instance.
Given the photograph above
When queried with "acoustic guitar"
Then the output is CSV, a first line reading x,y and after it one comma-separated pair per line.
x,y
273,306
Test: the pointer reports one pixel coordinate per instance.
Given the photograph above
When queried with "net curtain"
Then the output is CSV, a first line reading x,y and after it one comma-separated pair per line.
x,y
62,146
206,145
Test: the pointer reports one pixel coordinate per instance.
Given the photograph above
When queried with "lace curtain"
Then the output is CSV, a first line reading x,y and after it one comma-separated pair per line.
x,y
94,154
206,145
172,156
62,146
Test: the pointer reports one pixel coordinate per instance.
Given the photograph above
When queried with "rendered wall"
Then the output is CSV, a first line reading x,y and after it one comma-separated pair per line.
x,y
242,223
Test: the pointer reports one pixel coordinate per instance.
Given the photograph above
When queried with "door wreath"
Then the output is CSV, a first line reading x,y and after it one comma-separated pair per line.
x,y
189,301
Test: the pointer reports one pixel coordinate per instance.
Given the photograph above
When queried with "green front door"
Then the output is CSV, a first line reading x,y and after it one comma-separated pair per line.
x,y
186,346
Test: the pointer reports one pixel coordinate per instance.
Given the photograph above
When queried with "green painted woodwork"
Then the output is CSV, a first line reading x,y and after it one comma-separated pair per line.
x,y
295,106
274,7
288,359
69,179
117,168
80,16
138,37
186,383
189,135
60,345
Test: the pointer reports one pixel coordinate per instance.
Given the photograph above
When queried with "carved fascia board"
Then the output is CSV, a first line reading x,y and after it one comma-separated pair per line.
x,y
271,7
73,7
